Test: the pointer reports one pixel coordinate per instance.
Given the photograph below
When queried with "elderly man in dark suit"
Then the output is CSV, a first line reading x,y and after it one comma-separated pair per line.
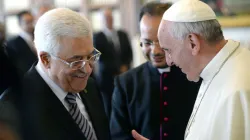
x,y
56,99
154,99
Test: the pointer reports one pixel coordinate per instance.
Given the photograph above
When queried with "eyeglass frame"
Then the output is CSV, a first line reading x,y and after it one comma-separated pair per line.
x,y
84,61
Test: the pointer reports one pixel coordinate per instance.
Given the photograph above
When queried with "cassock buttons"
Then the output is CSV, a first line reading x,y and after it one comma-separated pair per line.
x,y
165,88
165,119
165,134
165,103
165,75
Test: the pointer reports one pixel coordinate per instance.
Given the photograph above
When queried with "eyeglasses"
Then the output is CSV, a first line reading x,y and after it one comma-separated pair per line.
x,y
145,43
81,63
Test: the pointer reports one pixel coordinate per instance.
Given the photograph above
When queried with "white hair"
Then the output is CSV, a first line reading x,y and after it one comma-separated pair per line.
x,y
209,30
56,23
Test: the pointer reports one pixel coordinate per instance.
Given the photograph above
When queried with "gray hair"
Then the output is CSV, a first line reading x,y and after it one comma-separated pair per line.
x,y
209,30
56,23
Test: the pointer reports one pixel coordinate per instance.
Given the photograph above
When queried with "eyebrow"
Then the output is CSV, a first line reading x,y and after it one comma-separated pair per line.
x,y
75,57
149,40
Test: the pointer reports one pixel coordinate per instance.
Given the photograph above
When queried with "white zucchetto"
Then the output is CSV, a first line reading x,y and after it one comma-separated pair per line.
x,y
189,11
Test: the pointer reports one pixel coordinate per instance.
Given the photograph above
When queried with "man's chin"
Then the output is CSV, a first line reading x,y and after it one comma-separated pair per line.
x,y
78,88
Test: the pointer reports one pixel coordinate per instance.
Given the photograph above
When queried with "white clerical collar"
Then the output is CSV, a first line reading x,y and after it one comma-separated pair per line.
x,y
220,58
161,70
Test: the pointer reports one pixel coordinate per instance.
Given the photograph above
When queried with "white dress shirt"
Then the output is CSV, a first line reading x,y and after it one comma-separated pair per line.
x,y
161,70
222,107
61,94
112,36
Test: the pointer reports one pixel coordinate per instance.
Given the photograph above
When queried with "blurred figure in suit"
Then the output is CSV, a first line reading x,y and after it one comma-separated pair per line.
x,y
116,56
20,49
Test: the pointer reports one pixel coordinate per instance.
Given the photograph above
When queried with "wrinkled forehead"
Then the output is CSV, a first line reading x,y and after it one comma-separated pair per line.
x,y
79,45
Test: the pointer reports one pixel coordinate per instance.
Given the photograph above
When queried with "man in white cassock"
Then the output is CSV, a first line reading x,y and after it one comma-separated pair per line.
x,y
192,37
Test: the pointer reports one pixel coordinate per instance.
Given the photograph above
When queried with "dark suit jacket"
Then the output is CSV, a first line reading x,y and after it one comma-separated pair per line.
x,y
110,62
43,116
136,103
20,54
8,75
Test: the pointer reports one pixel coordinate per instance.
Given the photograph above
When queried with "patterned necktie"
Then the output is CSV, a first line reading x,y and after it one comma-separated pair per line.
x,y
80,120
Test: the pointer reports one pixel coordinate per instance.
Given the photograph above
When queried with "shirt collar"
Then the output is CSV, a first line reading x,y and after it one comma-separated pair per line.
x,y
27,37
109,32
218,61
161,70
60,93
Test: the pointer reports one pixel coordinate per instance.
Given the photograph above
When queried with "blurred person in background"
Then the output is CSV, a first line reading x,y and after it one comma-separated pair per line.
x,y
116,56
56,99
8,75
154,99
20,49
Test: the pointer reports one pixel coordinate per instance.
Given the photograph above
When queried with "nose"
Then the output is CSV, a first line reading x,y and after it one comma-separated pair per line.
x,y
86,68
155,48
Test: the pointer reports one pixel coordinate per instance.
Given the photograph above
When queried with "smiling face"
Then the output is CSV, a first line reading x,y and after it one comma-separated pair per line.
x,y
149,41
183,53
71,50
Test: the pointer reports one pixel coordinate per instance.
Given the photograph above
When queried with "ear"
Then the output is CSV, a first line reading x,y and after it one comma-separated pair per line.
x,y
194,43
45,59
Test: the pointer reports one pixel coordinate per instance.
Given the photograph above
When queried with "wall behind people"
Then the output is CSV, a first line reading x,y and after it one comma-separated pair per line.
x,y
8,75
241,34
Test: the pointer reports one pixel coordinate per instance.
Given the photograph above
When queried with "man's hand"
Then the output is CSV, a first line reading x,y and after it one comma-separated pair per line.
x,y
137,136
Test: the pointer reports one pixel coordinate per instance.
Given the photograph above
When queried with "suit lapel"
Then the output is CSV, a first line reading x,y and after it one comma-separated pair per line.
x,y
64,120
26,48
93,103
50,110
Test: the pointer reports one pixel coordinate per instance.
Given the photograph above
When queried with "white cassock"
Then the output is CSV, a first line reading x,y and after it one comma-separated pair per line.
x,y
222,107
